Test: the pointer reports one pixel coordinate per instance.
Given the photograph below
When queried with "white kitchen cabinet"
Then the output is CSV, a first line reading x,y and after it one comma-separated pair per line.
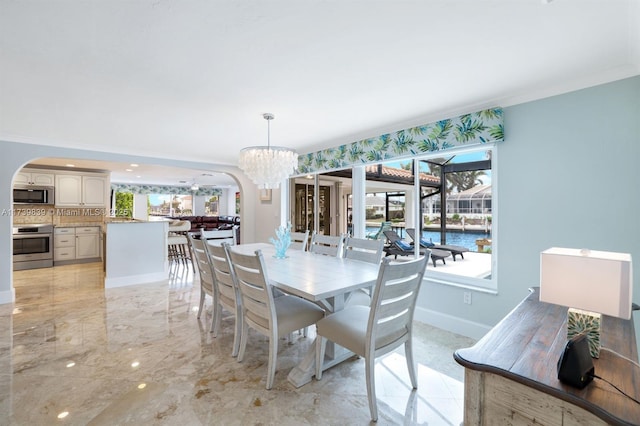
x,y
78,190
64,244
34,177
76,244
87,242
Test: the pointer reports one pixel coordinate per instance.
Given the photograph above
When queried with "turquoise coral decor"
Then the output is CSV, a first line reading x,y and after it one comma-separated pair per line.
x,y
480,127
283,241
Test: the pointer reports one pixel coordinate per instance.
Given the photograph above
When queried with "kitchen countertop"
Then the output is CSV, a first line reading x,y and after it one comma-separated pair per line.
x,y
77,224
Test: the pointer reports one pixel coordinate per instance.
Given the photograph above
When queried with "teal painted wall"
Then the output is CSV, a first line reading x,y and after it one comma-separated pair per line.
x,y
568,175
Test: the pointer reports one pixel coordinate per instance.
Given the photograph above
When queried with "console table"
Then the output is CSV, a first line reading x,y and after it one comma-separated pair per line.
x,y
511,375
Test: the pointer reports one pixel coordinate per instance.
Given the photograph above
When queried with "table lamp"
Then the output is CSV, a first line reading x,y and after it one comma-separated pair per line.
x,y
591,284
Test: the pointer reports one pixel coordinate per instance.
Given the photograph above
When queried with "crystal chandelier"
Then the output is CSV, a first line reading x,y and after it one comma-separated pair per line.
x,y
267,166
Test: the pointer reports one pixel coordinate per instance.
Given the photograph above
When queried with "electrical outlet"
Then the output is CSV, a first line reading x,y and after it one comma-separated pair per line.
x,y
467,297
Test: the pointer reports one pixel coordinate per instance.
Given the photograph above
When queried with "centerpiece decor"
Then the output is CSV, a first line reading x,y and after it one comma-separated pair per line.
x,y
283,241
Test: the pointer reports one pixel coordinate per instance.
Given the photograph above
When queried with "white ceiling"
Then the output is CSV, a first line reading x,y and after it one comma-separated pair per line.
x,y
190,79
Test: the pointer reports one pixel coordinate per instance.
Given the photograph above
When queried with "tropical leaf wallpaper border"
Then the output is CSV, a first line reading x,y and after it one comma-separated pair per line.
x,y
163,189
466,130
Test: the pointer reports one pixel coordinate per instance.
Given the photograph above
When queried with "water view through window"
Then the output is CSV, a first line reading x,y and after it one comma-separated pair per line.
x,y
452,208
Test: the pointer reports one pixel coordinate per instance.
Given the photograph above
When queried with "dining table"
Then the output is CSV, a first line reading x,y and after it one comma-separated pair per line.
x,y
325,280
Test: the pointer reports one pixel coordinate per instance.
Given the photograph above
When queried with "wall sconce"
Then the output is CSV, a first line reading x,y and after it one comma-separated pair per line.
x,y
590,283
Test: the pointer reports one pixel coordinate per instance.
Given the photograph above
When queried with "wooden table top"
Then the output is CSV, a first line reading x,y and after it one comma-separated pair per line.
x,y
526,345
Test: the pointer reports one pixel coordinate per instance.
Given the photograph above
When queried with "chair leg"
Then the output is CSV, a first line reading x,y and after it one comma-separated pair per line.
x,y
243,340
185,253
370,364
190,254
202,296
321,343
236,335
273,355
216,317
411,365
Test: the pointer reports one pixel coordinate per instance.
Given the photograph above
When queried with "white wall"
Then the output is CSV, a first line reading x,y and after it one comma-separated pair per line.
x,y
267,215
228,202
16,155
568,175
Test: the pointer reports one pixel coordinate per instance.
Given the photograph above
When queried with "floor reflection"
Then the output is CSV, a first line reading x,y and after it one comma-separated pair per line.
x,y
138,354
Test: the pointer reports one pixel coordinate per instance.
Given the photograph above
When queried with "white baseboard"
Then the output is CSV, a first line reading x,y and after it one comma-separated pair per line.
x,y
8,296
450,323
134,279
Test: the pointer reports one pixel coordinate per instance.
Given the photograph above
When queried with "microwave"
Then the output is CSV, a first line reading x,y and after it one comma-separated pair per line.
x,y
32,194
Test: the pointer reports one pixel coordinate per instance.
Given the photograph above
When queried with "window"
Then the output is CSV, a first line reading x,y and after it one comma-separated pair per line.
x,y
124,204
389,196
170,205
461,181
467,219
212,206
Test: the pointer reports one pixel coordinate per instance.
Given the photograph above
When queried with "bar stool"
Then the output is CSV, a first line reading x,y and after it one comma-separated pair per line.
x,y
178,244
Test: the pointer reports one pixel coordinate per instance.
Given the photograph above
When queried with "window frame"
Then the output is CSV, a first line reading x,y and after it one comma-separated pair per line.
x,y
488,285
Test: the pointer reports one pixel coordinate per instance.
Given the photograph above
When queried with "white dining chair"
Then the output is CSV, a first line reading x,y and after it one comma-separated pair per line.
x,y
364,250
371,332
274,317
299,240
207,283
219,236
228,294
326,244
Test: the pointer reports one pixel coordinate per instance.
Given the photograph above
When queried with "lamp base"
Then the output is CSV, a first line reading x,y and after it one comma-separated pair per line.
x,y
588,323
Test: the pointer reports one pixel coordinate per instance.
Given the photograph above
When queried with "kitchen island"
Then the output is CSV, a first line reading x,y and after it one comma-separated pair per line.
x,y
135,252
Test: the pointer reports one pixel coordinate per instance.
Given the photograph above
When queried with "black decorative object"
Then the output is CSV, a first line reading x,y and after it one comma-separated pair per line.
x,y
575,366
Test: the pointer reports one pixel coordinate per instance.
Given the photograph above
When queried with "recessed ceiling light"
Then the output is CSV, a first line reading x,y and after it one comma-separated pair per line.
x,y
63,414
142,385
133,165
138,176
70,165
128,170
71,364
135,364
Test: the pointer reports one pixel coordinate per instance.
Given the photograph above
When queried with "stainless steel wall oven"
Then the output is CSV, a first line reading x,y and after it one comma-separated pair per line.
x,y
32,246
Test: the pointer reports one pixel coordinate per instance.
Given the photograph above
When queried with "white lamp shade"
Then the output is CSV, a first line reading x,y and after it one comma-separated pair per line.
x,y
596,281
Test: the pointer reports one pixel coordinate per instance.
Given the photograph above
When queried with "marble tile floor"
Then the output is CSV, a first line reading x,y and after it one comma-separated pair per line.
x,y
73,353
